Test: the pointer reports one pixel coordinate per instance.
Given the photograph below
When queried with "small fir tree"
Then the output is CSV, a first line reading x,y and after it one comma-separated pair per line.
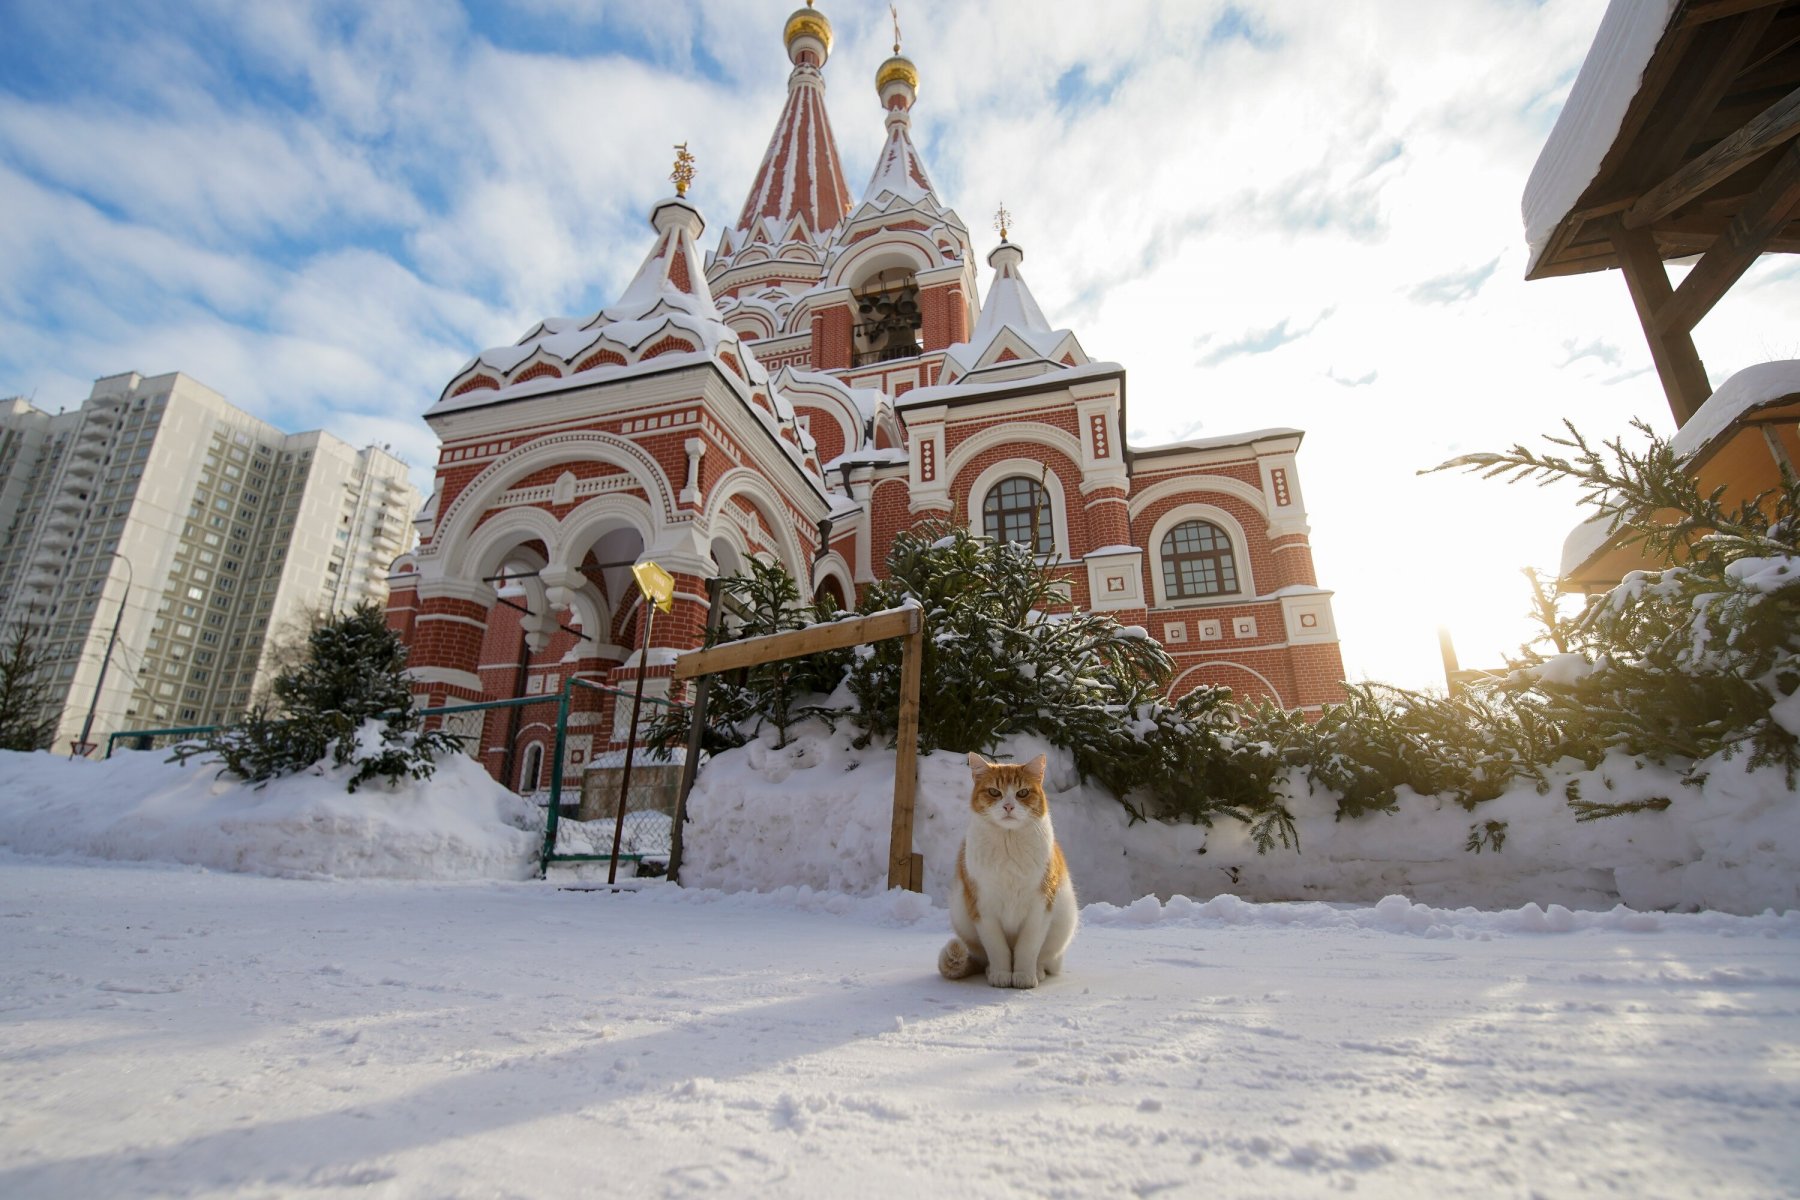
x,y
27,694
347,703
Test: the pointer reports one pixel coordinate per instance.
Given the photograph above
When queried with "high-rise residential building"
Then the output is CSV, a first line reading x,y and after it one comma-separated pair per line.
x,y
203,534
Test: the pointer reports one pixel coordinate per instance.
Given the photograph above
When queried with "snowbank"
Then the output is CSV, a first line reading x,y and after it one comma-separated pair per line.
x,y
459,824
817,813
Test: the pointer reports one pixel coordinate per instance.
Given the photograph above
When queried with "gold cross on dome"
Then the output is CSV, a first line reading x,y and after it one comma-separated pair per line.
x,y
895,13
1002,220
683,174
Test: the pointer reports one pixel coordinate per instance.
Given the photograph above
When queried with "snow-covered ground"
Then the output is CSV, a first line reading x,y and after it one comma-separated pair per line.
x,y
365,994
171,1032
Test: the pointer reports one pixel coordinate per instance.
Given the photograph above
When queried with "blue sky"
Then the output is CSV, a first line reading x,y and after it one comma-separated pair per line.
x,y
1274,214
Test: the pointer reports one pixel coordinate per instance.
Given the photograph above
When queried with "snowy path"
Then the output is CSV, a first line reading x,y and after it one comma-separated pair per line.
x,y
170,1032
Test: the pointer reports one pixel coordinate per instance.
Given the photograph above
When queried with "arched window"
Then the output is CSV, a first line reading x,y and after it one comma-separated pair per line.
x,y
1197,561
529,776
1016,506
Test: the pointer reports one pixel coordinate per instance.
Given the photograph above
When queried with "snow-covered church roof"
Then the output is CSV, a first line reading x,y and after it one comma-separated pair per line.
x,y
664,320
1012,338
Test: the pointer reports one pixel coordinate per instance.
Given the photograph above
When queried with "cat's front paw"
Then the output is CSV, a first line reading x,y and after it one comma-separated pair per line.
x,y
999,978
1024,979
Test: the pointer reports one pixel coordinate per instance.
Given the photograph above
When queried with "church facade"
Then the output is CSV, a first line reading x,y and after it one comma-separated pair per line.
x,y
829,374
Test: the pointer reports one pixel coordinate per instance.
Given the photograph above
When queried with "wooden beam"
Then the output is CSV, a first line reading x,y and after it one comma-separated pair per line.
x,y
753,652
1717,54
906,869
1699,12
1765,212
1677,362
1773,126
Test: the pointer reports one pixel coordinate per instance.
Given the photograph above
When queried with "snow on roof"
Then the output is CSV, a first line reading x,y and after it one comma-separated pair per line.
x,y
1011,309
900,170
924,397
1216,443
1749,388
668,298
1590,119
1584,541
867,401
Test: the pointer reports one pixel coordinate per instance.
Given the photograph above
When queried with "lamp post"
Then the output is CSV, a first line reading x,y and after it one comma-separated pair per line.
x,y
658,588
81,748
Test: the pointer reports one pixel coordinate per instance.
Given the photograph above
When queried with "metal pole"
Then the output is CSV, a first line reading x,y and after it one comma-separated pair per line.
x,y
556,774
637,708
87,726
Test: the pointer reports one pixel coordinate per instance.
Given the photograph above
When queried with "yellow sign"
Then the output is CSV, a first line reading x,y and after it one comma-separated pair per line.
x,y
657,585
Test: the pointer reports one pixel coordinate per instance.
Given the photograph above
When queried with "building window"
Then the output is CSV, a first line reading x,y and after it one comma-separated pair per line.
x,y
1197,561
533,769
1013,508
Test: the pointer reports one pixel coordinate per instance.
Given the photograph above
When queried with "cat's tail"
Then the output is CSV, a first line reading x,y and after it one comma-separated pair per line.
x,y
955,961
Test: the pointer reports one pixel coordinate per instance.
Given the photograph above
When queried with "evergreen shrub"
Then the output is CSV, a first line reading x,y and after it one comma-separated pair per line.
x,y
348,703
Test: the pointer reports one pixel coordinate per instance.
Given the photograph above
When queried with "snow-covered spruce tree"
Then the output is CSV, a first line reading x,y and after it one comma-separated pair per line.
x,y
346,704
763,600
27,712
1697,658
1004,655
998,660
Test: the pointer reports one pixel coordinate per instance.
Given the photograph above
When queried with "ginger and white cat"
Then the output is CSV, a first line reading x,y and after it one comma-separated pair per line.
x,y
1013,906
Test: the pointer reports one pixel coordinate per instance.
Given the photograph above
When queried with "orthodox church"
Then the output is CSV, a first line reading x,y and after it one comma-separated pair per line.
x,y
825,377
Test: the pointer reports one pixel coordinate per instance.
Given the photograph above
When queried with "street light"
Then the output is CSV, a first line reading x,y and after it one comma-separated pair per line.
x,y
82,747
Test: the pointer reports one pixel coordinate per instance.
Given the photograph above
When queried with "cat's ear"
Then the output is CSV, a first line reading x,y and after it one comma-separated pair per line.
x,y
1035,769
977,765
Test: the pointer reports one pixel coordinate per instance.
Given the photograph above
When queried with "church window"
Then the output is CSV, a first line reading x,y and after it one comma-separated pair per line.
x,y
1014,509
1197,561
533,770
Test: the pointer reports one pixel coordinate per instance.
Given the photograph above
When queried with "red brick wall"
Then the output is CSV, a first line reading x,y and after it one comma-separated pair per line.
x,y
831,338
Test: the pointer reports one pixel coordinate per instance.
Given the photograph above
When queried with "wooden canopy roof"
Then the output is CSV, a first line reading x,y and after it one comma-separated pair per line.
x,y
1704,159
1705,163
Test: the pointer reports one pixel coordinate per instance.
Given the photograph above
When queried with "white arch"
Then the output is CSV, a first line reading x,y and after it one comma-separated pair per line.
x,y
554,450
1240,553
890,248
1021,432
1226,662
1197,485
598,516
833,566
1033,470
482,554
741,481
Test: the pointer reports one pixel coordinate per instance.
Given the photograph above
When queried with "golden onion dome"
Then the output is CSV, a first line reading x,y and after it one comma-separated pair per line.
x,y
807,21
897,68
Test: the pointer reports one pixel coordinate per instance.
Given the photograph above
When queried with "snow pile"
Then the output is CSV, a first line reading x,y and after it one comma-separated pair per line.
x,y
818,812
459,824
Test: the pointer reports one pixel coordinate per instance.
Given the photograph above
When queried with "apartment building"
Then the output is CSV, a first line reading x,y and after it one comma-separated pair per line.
x,y
205,535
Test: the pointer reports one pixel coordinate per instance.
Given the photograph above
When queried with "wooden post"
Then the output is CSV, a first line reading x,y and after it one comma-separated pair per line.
x,y
901,871
907,622
1677,363
690,766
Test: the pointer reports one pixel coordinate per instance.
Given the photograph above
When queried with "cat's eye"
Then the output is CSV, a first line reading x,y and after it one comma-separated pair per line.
x,y
993,791
1024,792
